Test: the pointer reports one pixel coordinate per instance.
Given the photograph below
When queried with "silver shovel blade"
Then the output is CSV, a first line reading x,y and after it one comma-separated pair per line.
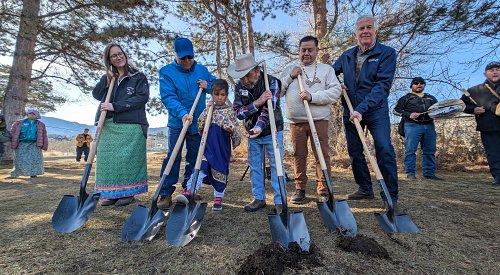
x,y
184,223
69,216
341,219
402,224
141,226
289,229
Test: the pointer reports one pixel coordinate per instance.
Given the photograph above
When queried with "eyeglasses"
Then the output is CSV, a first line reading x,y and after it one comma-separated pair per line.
x,y
418,83
187,57
117,55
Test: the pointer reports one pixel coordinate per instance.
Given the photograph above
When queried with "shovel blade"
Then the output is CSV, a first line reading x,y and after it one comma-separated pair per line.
x,y
184,223
401,224
290,228
71,214
341,219
141,226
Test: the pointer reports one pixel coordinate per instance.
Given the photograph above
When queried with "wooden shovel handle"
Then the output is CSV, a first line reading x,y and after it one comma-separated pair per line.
x,y
180,140
277,155
467,94
317,144
100,124
373,163
203,141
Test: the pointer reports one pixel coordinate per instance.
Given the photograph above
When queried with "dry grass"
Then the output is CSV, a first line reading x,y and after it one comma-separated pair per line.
x,y
458,218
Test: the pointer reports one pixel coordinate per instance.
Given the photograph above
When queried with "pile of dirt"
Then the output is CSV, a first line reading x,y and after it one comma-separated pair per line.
x,y
363,245
273,258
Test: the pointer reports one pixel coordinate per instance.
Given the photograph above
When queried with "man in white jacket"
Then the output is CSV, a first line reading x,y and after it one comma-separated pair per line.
x,y
322,88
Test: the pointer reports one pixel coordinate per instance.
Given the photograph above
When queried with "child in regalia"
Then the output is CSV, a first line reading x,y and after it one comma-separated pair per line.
x,y
223,133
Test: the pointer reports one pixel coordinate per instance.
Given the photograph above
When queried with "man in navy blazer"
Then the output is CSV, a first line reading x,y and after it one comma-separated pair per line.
x,y
368,70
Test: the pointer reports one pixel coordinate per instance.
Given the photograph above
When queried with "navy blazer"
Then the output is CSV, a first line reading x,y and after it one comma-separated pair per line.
x,y
370,93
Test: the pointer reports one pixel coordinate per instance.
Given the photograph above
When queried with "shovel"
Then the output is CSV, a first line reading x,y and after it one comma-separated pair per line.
x,y
73,212
144,223
390,223
336,215
286,227
185,219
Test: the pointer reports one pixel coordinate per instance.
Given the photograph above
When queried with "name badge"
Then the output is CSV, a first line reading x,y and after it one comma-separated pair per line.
x,y
244,92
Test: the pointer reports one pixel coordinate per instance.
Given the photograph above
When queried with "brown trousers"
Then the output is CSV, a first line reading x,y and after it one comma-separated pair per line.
x,y
300,132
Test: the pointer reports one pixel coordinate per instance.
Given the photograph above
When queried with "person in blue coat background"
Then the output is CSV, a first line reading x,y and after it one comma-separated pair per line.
x,y
368,70
179,84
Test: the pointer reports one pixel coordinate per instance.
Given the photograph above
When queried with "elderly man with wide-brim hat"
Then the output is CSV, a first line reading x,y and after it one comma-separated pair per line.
x,y
250,97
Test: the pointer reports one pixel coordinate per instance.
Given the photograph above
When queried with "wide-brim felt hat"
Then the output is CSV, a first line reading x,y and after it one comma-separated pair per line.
x,y
242,65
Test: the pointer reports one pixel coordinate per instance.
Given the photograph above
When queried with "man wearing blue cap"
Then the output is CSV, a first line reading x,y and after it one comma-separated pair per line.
x,y
419,128
179,84
483,101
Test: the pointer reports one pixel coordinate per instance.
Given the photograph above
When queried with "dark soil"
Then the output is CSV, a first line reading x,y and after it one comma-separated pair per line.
x,y
274,258
364,245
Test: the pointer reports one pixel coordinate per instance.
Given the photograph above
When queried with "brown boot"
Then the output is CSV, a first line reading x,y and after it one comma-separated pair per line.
x,y
298,197
164,202
255,205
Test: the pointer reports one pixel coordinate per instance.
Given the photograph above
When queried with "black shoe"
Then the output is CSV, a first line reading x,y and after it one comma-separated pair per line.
x,y
108,202
32,176
433,177
411,176
496,183
299,196
125,201
255,205
278,208
360,195
395,206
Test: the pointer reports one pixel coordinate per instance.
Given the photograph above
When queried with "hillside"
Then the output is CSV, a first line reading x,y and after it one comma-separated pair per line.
x,y
60,128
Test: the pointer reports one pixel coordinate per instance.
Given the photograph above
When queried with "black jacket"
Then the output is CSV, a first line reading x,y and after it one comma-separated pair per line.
x,y
411,103
486,121
129,99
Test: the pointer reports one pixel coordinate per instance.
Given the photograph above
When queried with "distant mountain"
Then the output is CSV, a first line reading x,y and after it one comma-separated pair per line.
x,y
60,128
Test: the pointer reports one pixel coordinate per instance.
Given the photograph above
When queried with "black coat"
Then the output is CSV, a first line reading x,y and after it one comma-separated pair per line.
x,y
129,99
486,121
411,103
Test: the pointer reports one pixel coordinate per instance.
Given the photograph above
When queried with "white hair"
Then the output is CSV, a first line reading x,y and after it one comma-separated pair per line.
x,y
367,17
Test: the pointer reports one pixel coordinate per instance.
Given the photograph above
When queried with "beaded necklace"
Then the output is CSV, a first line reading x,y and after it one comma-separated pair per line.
x,y
315,79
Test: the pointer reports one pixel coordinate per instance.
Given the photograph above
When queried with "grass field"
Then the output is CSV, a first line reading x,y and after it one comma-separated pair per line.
x,y
459,219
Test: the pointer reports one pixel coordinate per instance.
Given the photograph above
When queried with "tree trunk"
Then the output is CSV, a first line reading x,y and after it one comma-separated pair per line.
x,y
248,21
320,29
16,92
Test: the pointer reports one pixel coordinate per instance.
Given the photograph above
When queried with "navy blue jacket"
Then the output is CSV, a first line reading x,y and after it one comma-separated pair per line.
x,y
369,94
129,99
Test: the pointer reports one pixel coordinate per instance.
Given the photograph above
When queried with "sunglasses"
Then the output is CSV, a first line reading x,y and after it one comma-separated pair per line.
x,y
418,83
187,57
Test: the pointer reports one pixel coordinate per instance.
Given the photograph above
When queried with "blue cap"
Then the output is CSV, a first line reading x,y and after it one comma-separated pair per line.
x,y
183,47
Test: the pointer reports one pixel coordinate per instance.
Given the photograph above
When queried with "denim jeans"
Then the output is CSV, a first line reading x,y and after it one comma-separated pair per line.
x,y
192,142
255,153
380,128
425,134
